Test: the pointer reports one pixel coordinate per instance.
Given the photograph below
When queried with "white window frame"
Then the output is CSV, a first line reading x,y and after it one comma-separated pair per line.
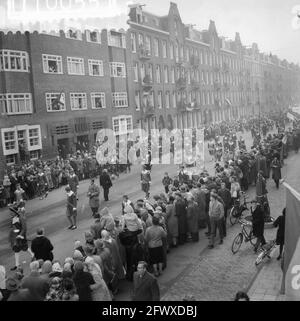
x,y
133,42
137,100
167,97
164,49
148,44
74,96
166,74
114,42
100,95
173,75
98,63
171,51
88,36
174,99
38,136
6,151
6,57
75,60
158,74
135,72
159,99
118,98
77,32
114,69
50,96
122,128
11,103
156,47
58,59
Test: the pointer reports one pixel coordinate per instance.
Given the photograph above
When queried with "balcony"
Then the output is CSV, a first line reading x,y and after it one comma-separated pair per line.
x,y
181,83
147,83
195,61
144,54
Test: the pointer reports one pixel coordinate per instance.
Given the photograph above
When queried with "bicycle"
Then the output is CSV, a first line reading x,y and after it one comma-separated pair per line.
x,y
245,235
265,251
238,209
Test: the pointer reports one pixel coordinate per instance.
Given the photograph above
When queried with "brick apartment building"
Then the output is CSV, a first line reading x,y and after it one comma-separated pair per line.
x,y
58,89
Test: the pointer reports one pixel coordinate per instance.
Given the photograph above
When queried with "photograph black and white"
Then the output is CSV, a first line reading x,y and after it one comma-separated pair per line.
x,y
149,152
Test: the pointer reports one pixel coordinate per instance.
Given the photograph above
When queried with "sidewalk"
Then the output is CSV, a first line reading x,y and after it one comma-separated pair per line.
x,y
267,284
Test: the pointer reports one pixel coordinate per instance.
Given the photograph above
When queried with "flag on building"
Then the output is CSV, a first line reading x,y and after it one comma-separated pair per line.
x,y
291,265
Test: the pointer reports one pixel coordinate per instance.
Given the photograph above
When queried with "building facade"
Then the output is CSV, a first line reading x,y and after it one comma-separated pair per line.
x,y
58,89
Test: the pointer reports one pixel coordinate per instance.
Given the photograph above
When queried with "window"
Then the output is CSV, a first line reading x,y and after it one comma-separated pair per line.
x,y
158,76
14,104
34,137
173,75
150,72
98,100
116,39
120,99
166,74
151,98
52,64
143,72
164,49
148,44
181,53
137,100
11,159
78,101
74,34
174,99
14,61
34,154
93,36
141,40
159,99
156,49
167,99
122,125
133,42
75,66
135,72
117,69
95,67
188,77
9,141
171,51
187,52
55,102
201,57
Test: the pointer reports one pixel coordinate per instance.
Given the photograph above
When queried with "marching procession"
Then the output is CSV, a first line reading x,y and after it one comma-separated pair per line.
x,y
134,243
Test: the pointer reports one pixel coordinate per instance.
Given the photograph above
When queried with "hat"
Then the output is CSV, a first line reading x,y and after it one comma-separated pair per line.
x,y
99,244
12,284
78,266
104,211
77,256
56,267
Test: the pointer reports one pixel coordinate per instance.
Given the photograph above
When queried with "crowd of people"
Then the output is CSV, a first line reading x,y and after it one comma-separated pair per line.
x,y
133,244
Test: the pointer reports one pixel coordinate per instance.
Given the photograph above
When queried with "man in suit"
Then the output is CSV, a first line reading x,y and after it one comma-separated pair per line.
x,y
145,286
71,208
106,183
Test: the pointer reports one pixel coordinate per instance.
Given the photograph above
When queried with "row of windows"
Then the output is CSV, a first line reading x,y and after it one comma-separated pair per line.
x,y
206,77
53,65
11,60
166,49
172,99
16,104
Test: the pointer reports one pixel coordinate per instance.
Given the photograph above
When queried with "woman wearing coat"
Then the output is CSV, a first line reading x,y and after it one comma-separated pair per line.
x,y
93,194
258,224
192,219
180,210
172,222
276,168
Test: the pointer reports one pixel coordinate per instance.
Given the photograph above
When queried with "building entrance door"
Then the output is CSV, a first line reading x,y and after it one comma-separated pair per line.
x,y
63,147
82,143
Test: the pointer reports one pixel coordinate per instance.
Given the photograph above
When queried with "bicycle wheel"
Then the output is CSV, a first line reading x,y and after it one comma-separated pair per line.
x,y
260,258
237,242
233,216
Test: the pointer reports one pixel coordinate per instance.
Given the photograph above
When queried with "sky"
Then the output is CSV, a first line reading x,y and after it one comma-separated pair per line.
x,y
272,24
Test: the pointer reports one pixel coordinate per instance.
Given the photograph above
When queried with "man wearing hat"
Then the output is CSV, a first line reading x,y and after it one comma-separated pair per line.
x,y
106,184
71,208
93,194
73,181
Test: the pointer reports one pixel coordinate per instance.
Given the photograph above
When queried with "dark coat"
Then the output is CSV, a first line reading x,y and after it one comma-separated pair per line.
x,y
276,168
258,222
42,248
261,165
105,181
37,286
145,288
280,223
192,217
180,209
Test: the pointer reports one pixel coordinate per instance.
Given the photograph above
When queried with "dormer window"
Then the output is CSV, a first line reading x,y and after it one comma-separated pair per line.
x,y
116,39
93,36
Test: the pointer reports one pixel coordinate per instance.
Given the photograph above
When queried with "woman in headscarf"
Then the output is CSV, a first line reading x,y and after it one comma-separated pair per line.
x,y
101,292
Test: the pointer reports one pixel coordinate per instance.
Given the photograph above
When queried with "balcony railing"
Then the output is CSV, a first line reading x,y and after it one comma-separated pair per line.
x,y
181,83
144,54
